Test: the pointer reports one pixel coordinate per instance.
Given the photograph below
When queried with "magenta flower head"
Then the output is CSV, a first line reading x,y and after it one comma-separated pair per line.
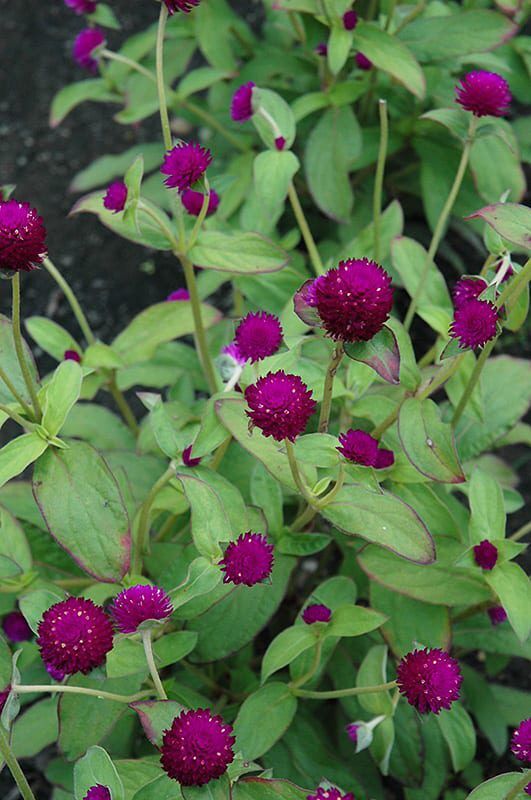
x,y
188,461
474,324
233,351
497,614
74,635
354,300
16,628
330,793
248,560
178,294
241,107
484,93
316,613
467,289
521,741
193,202
527,789
321,49
197,748
280,143
258,336
350,20
22,237
485,554
72,355
185,164
84,45
280,405
352,732
363,62
98,792
115,197
361,448
180,5
82,6
139,604
429,679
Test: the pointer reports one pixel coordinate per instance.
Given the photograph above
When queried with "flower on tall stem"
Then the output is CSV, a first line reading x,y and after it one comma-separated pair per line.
x,y
197,748
280,405
248,560
85,45
484,93
22,237
258,336
139,604
185,164
429,679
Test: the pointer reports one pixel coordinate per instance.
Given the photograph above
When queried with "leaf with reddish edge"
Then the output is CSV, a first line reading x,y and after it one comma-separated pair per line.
x,y
84,511
511,221
429,443
156,716
381,353
306,312
265,789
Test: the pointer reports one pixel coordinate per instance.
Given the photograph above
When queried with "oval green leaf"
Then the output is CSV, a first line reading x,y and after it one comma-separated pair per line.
x,y
429,443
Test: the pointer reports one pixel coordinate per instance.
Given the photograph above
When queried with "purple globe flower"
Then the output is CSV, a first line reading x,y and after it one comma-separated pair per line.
x,y
258,336
138,604
280,143
193,202
98,792
16,628
248,560
178,295
474,324
429,679
84,45
74,635
521,741
197,748
241,107
467,289
233,351
329,794
350,20
352,732
82,6
22,237
72,355
361,448
280,405
185,164
180,5
354,300
497,614
484,93
316,613
485,554
188,461
321,49
115,197
363,62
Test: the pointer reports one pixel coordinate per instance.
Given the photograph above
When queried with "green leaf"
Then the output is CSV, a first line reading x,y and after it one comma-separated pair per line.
x,y
104,16
373,672
429,443
99,355
246,253
35,729
391,55
391,225
219,789
302,544
10,364
18,454
331,150
202,577
156,716
84,511
453,119
409,371
96,768
277,108
157,324
496,788
487,520
273,171
458,731
285,647
15,553
511,220
306,104
74,94
51,337
381,353
199,79
210,522
273,702
133,181
381,518
382,744
319,449
266,493
172,647
266,789
495,165
484,706
353,620
103,169
339,44
61,393
513,588
127,657
213,23
99,426
33,604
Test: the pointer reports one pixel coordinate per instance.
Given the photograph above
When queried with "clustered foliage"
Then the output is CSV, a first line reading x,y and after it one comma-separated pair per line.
x,y
277,568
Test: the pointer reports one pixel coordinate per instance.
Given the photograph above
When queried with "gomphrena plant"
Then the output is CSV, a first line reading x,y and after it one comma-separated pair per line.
x,y
261,552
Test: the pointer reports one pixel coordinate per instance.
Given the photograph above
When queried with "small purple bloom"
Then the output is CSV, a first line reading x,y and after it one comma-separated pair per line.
x,y
16,628
321,49
352,731
521,741
467,289
258,336
486,554
248,560
350,20
82,6
177,295
280,405
233,351
180,5
360,447
474,324
484,93
193,202
22,237
241,107
497,614
197,748
72,355
362,61
185,164
138,604
188,461
115,197
98,792
316,613
280,143
329,794
84,45
429,679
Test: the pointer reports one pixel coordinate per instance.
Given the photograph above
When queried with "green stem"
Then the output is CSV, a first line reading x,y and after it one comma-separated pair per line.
x,y
336,693
200,217
143,519
166,230
472,381
441,223
304,518
19,348
390,15
301,486
220,453
161,88
304,228
117,698
326,405
378,180
313,669
327,499
112,56
148,650
521,532
297,26
520,786
419,8
24,423
14,767
123,406
18,397
202,345
72,300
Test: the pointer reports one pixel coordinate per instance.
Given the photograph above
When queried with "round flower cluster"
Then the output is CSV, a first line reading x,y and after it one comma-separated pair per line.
x,y
330,793
115,197
521,741
485,554
85,43
98,792
361,448
22,237
350,20
280,405
316,613
429,679
193,202
258,336
178,294
241,107
363,62
484,93
248,560
72,355
185,164
474,323
467,289
188,459
497,614
139,604
197,748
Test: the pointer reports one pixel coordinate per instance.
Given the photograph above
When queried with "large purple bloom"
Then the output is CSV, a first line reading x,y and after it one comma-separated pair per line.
x,y
197,748
429,679
280,405
484,93
139,604
248,560
84,45
258,335
22,236
185,164
474,323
